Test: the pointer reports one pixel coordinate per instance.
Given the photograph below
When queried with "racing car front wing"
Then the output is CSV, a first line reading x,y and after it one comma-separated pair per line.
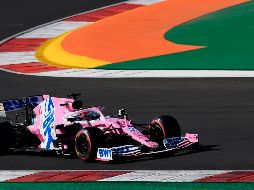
x,y
170,144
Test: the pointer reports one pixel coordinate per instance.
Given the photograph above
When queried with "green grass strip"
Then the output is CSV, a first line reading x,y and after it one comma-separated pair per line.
x,y
125,186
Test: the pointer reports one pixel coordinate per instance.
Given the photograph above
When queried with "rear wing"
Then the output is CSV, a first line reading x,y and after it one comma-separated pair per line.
x,y
16,104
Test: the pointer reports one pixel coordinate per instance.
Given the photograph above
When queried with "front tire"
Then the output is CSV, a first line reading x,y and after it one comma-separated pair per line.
x,y
87,142
162,127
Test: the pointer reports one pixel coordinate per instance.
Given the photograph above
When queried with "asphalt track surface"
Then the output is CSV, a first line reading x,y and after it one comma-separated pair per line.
x,y
220,110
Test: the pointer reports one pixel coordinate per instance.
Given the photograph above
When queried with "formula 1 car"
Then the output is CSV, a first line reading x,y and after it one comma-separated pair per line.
x,y
63,125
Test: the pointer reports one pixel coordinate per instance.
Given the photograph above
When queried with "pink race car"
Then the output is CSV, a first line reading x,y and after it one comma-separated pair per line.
x,y
66,127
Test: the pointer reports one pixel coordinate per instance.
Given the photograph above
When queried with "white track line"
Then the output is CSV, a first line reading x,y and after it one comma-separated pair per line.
x,y
53,30
7,58
165,176
143,2
99,73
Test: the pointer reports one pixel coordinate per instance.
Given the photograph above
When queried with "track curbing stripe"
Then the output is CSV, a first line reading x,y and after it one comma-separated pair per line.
x,y
14,55
129,175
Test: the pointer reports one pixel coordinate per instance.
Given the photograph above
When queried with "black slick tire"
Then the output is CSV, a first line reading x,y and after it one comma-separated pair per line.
x,y
87,142
162,127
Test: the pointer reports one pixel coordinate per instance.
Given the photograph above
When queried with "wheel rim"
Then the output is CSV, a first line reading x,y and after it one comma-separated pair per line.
x,y
156,133
82,146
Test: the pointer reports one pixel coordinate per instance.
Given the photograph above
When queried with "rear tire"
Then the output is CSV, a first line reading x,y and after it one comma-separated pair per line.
x,y
87,142
7,137
162,127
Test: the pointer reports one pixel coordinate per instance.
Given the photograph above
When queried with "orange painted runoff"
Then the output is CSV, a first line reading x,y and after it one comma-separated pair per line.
x,y
139,33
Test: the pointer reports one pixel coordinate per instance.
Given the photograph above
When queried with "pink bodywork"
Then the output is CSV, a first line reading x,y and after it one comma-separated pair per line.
x,y
193,138
50,113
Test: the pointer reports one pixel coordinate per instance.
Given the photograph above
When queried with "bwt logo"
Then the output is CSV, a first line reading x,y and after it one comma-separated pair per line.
x,y
105,153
